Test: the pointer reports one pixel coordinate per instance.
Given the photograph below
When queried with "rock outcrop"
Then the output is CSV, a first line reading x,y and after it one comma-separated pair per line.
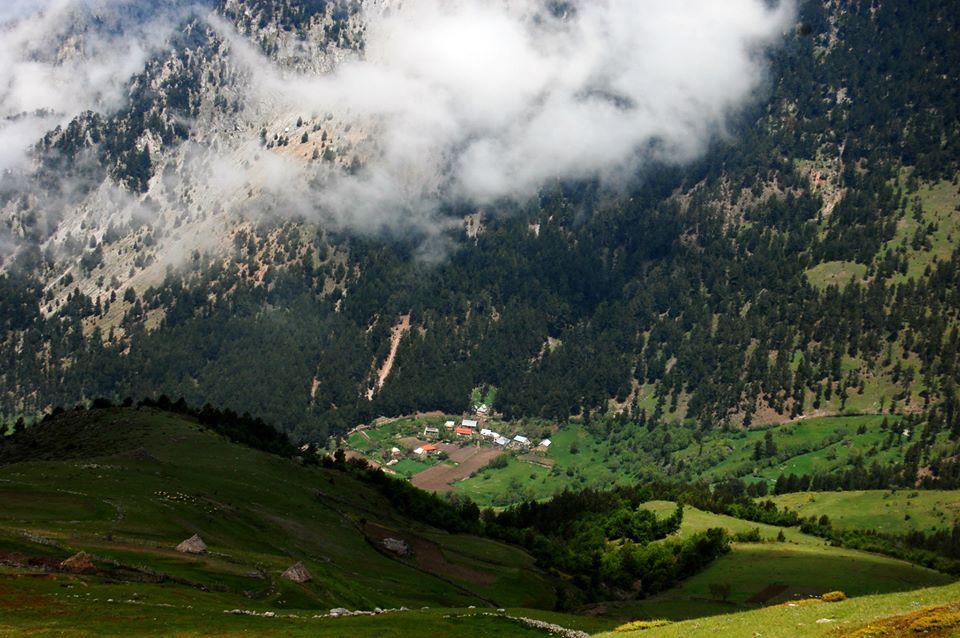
x,y
193,545
79,563
298,574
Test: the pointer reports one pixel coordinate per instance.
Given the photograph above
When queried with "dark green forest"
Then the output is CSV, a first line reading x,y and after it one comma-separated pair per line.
x,y
694,284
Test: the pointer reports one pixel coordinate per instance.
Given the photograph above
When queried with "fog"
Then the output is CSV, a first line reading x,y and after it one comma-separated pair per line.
x,y
467,101
479,100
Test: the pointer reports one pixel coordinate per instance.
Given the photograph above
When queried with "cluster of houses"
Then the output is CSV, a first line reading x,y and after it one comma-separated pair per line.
x,y
468,428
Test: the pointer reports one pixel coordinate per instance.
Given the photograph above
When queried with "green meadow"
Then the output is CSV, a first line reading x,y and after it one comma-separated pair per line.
x,y
839,620
127,486
753,575
891,511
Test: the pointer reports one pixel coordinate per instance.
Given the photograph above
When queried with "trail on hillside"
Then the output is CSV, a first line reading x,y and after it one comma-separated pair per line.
x,y
398,331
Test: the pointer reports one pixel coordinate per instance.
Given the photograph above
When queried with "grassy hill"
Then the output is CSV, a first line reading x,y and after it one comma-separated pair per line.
x,y
770,572
928,612
127,486
891,511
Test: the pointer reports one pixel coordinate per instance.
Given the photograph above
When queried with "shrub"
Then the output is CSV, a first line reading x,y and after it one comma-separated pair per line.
x,y
833,597
753,536
936,620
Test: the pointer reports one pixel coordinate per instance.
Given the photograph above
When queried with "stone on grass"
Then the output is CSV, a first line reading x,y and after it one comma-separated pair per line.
x,y
79,563
298,574
193,545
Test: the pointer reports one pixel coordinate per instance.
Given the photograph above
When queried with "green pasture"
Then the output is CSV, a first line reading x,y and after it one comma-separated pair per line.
x,y
891,511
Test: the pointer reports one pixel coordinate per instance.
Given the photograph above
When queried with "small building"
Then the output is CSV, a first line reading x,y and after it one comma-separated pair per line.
x,y
449,424
486,432
469,423
521,440
420,451
395,452
545,444
502,441
462,431
430,449
482,409
431,432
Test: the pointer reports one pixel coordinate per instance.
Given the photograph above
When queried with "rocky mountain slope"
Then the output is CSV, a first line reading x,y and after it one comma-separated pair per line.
x,y
805,264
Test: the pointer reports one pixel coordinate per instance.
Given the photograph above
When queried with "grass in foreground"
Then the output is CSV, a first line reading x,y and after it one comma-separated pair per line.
x,y
844,618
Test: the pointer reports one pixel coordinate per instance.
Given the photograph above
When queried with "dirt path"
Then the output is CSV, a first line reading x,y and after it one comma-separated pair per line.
x,y
429,556
439,477
398,331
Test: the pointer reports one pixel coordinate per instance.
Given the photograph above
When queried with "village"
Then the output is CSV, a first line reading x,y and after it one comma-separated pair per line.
x,y
435,450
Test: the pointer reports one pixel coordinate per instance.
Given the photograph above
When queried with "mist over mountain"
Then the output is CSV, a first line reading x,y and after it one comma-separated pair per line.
x,y
476,317
462,103
667,213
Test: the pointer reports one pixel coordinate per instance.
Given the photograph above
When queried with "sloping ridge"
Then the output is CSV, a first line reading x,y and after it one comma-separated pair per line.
x,y
142,481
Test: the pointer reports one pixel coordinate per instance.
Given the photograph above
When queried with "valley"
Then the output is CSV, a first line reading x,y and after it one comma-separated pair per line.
x,y
124,486
480,318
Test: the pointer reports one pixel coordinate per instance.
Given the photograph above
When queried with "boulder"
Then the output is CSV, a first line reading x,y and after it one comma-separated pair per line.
x,y
193,545
80,562
396,545
298,574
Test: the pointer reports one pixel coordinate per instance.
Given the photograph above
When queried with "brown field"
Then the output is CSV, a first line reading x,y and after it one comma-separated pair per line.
x,y
429,556
439,477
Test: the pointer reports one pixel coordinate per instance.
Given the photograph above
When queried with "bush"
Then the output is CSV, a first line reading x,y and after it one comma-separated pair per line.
x,y
753,536
833,597
499,462
936,620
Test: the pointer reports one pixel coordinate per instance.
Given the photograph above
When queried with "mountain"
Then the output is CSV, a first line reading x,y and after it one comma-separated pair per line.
x,y
803,265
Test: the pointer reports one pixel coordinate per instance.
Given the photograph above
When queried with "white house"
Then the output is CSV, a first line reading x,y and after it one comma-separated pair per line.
x,y
546,443
419,451
449,425
486,432
521,440
469,423
431,432
502,440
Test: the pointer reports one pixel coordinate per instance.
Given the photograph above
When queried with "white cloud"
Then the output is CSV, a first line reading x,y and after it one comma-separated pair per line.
x,y
56,62
483,99
465,100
